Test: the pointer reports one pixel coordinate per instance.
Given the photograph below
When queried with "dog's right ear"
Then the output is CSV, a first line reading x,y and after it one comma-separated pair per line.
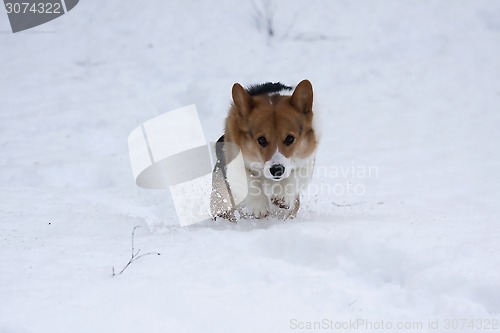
x,y
242,100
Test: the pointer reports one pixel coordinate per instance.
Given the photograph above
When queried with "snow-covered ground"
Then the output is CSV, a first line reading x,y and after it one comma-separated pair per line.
x,y
408,90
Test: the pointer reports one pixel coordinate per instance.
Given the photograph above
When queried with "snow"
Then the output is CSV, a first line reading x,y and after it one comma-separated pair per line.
x,y
410,89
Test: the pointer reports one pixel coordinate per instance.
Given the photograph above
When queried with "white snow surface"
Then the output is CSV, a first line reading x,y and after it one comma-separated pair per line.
x,y
410,89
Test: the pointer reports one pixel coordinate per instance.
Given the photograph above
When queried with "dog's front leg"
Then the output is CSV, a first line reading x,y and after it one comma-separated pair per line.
x,y
256,203
284,193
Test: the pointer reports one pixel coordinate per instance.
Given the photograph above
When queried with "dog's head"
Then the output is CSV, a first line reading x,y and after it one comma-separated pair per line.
x,y
274,132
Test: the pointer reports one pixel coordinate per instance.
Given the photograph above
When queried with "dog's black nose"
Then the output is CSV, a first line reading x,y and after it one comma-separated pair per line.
x,y
277,170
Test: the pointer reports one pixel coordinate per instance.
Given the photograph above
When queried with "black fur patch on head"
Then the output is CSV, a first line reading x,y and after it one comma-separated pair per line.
x,y
267,88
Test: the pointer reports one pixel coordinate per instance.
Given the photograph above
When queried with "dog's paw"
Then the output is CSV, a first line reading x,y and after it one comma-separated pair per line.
x,y
259,213
285,202
254,214
288,208
226,215
256,207
281,203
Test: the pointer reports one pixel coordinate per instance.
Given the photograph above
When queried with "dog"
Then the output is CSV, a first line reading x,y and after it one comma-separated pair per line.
x,y
274,133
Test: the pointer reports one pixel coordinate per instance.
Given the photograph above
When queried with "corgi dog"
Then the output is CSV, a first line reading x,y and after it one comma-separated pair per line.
x,y
273,131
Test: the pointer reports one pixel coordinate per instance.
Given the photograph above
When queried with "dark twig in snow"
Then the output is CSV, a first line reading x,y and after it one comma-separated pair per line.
x,y
349,205
264,16
134,255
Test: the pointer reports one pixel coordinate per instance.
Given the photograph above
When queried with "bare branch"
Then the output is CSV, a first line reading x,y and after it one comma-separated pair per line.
x,y
263,16
134,255
349,205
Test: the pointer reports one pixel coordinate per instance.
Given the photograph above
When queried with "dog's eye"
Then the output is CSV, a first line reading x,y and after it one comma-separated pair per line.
x,y
289,140
262,141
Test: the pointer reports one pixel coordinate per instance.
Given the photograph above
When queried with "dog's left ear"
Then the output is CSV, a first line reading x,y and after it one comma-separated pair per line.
x,y
302,97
